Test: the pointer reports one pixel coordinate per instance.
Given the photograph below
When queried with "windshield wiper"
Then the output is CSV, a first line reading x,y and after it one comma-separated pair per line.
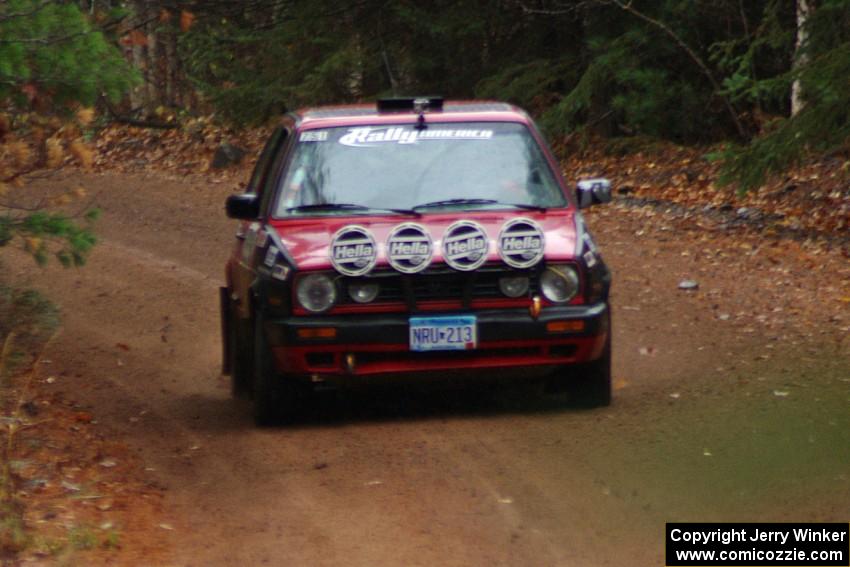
x,y
527,207
449,202
434,204
347,207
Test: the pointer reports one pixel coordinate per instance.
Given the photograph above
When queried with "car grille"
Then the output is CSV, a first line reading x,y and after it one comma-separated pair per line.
x,y
440,284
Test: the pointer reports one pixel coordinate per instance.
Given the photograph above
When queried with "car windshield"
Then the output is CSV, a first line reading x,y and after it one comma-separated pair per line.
x,y
398,168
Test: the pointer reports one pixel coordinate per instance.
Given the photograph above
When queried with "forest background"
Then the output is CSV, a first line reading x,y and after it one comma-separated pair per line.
x,y
698,102
735,113
700,98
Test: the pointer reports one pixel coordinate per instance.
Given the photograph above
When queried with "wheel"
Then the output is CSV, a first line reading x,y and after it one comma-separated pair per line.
x,y
588,384
276,397
241,356
591,386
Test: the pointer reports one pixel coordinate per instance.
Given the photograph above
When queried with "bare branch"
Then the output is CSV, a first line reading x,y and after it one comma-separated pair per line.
x,y
17,207
560,10
744,20
130,121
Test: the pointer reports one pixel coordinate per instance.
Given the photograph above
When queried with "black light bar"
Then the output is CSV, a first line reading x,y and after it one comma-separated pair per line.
x,y
411,104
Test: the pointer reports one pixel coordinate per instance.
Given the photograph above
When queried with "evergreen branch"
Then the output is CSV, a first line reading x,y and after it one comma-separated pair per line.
x,y
46,40
627,7
37,9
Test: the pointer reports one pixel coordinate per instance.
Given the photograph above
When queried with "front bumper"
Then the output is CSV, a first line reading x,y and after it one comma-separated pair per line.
x,y
375,344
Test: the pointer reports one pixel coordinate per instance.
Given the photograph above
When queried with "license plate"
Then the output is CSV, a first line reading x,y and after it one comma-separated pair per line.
x,y
443,333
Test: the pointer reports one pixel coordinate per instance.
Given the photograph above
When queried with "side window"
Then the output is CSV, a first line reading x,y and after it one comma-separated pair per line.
x,y
261,169
270,180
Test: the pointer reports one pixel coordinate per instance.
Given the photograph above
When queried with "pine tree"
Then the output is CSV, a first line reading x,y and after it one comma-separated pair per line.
x,y
51,58
822,123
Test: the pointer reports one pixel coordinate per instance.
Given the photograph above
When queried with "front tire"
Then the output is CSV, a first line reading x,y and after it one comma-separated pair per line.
x,y
588,384
241,356
591,386
276,397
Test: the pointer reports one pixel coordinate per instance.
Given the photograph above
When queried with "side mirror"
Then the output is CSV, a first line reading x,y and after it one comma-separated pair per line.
x,y
245,206
593,192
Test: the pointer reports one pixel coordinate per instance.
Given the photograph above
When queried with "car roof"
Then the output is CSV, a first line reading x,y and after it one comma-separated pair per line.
x,y
368,114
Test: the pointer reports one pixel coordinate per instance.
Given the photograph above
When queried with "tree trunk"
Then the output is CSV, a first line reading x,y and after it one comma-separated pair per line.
x,y
171,68
152,59
804,10
139,95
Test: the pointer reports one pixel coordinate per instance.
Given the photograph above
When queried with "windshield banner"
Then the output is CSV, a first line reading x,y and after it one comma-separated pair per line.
x,y
370,135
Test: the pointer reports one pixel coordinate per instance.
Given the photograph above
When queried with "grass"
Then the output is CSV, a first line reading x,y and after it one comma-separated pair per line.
x,y
82,538
111,540
13,535
49,546
27,323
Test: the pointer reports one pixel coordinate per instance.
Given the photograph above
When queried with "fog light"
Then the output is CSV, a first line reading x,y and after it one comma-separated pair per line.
x,y
363,292
514,286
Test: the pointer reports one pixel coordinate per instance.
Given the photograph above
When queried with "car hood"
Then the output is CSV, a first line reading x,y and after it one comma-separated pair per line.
x,y
308,240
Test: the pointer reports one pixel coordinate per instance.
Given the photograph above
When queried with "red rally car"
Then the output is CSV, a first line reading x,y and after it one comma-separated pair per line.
x,y
412,238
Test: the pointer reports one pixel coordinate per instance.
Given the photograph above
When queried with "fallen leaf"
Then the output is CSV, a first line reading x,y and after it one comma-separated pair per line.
x,y
85,116
55,153
83,417
187,19
82,153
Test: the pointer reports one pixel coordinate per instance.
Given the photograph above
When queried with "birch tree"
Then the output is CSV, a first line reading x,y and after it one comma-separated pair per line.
x,y
804,10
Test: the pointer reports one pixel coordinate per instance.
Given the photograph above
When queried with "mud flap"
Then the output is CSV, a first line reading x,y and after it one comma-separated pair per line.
x,y
224,306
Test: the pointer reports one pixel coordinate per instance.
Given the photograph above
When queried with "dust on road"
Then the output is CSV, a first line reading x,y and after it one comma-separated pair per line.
x,y
731,404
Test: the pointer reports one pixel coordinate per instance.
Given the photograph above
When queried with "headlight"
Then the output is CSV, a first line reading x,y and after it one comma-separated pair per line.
x,y
316,292
363,292
559,283
514,286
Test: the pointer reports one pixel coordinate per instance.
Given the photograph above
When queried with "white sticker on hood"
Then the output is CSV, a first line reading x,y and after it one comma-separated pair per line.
x,y
465,245
521,243
365,136
353,251
409,248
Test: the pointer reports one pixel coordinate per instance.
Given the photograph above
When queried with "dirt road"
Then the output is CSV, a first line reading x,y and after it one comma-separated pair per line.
x,y
731,404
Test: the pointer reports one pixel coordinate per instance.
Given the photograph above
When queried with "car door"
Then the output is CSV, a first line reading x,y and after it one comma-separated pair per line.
x,y
244,260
